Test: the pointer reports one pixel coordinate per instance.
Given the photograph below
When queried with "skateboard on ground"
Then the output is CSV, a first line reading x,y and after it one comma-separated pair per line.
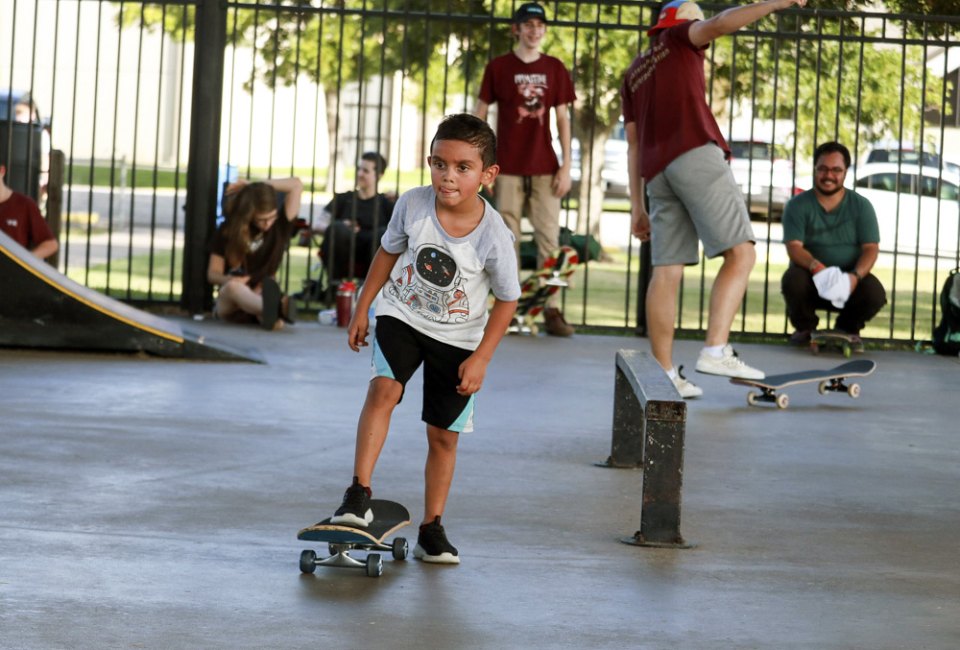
x,y
388,518
537,288
846,343
831,380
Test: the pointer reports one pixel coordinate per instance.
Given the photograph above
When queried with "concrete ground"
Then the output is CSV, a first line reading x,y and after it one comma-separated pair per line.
x,y
150,503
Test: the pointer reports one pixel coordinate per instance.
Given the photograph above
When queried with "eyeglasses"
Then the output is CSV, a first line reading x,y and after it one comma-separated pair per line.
x,y
823,169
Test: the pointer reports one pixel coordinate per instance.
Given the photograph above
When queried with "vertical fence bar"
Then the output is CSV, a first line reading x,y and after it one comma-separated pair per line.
x,y
211,39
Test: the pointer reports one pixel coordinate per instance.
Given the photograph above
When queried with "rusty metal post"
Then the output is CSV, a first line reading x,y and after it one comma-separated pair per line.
x,y
649,423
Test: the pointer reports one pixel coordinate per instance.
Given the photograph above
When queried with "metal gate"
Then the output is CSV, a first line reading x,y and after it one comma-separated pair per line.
x,y
155,104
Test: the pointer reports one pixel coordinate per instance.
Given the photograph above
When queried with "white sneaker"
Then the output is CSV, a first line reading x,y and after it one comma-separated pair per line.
x,y
728,365
687,389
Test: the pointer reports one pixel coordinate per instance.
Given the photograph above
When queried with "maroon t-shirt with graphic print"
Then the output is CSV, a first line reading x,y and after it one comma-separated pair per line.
x,y
524,94
664,92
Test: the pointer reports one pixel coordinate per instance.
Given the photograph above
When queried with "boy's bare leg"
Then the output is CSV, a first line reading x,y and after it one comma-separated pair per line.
x,y
728,289
438,473
383,395
662,311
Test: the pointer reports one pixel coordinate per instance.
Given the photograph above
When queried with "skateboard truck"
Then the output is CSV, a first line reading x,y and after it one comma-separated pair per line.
x,y
340,557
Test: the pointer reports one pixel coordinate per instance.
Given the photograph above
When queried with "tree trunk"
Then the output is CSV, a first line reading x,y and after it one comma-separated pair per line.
x,y
334,168
591,186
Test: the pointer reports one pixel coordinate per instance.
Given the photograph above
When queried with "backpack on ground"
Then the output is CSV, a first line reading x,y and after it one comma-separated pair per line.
x,y
946,335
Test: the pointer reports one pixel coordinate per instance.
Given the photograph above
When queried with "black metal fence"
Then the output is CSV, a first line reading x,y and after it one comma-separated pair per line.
x,y
156,104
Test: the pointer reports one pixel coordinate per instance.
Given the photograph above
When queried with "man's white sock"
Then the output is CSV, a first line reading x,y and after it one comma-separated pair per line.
x,y
715,351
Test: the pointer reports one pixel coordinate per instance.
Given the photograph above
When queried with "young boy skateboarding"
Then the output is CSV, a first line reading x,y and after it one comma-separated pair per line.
x,y
444,251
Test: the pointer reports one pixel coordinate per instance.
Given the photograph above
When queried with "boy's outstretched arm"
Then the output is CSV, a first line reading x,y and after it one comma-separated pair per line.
x,y
377,276
473,370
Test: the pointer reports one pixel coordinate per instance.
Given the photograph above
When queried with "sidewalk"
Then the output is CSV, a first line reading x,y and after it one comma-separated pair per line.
x,y
154,504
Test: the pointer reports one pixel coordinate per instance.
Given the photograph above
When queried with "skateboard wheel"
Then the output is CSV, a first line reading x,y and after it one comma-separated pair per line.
x,y
752,398
374,565
822,388
783,401
400,548
308,562
854,391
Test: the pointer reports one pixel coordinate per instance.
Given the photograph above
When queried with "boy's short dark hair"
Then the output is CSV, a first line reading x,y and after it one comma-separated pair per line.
x,y
472,130
379,162
833,147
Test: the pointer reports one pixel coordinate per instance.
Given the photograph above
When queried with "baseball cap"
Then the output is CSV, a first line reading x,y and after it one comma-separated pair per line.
x,y
676,13
528,11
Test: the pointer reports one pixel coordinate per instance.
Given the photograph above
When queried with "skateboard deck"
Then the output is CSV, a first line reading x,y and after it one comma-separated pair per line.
x,y
388,518
831,380
537,288
846,343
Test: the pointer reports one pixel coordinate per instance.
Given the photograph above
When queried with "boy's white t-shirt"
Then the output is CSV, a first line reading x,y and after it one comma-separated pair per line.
x,y
439,285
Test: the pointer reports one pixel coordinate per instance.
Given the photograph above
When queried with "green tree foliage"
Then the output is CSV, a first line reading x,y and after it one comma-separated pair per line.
x,y
834,76
824,68
925,7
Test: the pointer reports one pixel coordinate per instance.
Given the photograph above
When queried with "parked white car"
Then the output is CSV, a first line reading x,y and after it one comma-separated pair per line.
x,y
614,174
906,155
766,180
918,208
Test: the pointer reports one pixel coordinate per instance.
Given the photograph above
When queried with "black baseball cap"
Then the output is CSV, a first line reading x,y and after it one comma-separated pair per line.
x,y
529,11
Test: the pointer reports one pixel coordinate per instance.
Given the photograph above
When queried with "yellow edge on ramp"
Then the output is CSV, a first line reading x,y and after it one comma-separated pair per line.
x,y
59,286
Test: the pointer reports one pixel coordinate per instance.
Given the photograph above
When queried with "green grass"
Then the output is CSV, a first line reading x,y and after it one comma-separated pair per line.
x,y
140,278
599,296
146,177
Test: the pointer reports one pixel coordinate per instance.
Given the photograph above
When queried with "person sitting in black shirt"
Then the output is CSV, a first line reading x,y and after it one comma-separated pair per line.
x,y
358,220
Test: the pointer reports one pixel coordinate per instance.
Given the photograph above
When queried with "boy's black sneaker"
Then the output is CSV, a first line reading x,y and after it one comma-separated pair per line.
x,y
355,509
432,545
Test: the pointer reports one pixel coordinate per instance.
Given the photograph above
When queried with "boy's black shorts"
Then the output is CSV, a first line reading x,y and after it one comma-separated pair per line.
x,y
398,350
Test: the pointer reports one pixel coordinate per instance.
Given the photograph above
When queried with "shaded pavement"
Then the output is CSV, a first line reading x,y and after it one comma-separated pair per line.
x,y
151,503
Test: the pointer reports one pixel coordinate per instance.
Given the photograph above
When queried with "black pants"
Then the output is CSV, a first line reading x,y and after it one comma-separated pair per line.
x,y
803,301
337,241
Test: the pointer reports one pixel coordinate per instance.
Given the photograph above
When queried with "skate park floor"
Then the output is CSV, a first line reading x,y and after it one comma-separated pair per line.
x,y
154,503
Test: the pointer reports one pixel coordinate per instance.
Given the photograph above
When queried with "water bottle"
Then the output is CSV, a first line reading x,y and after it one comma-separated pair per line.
x,y
346,295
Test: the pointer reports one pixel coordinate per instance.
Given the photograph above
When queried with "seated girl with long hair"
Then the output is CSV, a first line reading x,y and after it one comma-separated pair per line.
x,y
247,249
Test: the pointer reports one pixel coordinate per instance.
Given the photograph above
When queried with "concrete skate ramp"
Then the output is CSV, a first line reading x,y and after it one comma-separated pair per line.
x,y
42,308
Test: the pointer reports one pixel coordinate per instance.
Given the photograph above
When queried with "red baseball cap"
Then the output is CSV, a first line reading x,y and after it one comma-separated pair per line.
x,y
676,13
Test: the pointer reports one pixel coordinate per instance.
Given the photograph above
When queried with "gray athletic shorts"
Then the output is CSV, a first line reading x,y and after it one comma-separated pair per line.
x,y
696,199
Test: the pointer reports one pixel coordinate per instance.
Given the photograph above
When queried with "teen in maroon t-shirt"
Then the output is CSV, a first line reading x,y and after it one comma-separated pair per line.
x,y
525,84
677,159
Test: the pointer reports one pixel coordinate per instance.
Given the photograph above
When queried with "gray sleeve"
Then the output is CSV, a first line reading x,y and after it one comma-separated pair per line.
x,y
394,240
501,263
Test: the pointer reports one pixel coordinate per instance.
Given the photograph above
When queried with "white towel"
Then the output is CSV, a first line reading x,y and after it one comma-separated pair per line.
x,y
833,285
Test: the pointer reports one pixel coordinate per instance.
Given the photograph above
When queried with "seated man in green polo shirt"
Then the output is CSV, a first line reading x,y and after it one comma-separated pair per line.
x,y
830,229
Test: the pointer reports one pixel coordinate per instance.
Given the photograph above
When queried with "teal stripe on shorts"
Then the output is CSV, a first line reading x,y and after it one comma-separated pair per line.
x,y
464,422
378,363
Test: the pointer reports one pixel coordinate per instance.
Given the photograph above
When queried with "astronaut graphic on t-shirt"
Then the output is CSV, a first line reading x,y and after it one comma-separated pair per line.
x,y
432,287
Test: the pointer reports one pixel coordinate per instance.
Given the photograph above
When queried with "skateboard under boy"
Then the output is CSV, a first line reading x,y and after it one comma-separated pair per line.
x,y
540,285
846,343
388,518
831,380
